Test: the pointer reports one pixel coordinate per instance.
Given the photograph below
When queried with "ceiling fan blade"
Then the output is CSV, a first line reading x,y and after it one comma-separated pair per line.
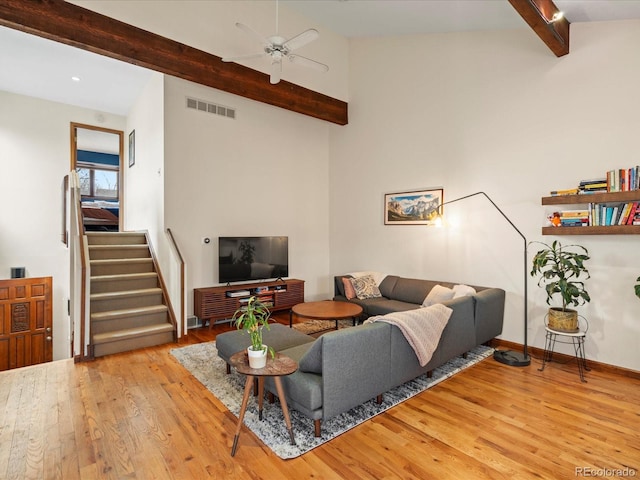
x,y
276,71
243,57
302,39
261,39
307,62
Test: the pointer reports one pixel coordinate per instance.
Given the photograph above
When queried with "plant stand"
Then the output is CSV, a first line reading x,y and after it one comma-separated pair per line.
x,y
276,368
571,338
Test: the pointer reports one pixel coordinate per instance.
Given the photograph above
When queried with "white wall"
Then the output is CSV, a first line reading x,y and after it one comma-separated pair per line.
x,y
144,180
492,111
35,156
264,173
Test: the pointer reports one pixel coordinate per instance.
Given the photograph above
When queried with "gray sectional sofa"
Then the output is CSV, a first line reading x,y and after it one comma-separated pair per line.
x,y
400,294
345,368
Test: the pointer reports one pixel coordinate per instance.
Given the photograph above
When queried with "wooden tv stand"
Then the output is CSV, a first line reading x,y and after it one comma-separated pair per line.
x,y
220,303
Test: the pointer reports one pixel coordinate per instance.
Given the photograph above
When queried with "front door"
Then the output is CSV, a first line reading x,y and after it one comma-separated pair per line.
x,y
25,322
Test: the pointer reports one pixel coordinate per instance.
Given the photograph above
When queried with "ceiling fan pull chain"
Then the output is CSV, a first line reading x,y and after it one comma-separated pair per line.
x,y
277,15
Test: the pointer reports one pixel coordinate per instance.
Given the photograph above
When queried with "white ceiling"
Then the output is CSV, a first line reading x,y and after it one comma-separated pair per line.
x,y
41,68
358,18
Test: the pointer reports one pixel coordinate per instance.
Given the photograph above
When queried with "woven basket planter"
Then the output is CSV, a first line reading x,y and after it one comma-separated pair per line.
x,y
563,320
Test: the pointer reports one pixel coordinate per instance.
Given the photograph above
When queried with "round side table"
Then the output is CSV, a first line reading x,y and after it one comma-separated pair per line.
x,y
571,338
278,367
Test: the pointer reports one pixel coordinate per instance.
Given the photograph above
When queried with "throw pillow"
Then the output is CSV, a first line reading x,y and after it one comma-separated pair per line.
x,y
463,291
438,294
312,360
349,292
365,287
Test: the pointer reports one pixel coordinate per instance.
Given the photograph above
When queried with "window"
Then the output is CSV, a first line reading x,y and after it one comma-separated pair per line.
x,y
101,183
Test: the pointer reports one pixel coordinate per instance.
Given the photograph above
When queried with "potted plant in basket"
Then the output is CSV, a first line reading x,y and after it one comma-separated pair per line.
x,y
252,318
562,270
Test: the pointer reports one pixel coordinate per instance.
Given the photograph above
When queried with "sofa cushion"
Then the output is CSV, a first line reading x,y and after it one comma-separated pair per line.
x,y
278,336
365,287
339,285
438,294
377,276
382,306
304,389
349,292
463,291
411,290
387,285
311,361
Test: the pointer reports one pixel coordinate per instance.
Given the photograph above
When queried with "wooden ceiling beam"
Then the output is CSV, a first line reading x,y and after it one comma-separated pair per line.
x,y
76,26
539,14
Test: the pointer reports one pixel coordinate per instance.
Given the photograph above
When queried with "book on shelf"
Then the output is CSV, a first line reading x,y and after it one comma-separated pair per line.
x,y
568,191
632,213
624,213
574,213
623,179
593,185
238,293
582,222
593,181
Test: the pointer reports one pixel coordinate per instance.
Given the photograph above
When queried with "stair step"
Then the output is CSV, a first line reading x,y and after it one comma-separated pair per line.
x,y
121,282
131,332
132,339
128,312
104,252
101,302
121,266
113,320
121,238
114,296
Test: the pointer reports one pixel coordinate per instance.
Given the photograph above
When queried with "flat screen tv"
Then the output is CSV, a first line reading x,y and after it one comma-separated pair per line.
x,y
242,259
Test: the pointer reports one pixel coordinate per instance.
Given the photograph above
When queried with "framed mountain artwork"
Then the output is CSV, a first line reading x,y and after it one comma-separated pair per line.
x,y
421,207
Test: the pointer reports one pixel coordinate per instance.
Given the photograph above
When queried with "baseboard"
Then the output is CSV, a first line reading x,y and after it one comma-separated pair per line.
x,y
538,352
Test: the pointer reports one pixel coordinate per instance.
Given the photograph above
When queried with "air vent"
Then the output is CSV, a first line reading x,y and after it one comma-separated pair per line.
x,y
212,108
193,322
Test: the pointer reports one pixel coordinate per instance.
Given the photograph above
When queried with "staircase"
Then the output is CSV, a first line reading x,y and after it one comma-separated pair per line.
x,y
128,305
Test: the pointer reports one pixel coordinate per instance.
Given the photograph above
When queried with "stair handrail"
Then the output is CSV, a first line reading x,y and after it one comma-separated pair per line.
x,y
74,186
163,284
174,244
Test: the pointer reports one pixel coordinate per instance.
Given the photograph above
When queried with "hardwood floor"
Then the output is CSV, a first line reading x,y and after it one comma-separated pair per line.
x,y
141,415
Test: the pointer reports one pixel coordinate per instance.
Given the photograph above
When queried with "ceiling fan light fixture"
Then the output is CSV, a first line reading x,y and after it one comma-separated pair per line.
x,y
278,48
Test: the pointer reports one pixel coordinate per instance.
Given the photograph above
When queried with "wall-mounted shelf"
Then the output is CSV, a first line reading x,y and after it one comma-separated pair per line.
x,y
613,197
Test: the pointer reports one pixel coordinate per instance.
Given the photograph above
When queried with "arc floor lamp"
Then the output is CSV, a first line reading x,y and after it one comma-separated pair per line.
x,y
508,357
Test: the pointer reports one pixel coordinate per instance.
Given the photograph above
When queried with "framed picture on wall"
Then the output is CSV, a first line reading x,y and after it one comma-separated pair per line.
x,y
132,148
421,207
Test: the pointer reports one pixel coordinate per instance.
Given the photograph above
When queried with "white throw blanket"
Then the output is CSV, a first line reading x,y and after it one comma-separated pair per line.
x,y
421,327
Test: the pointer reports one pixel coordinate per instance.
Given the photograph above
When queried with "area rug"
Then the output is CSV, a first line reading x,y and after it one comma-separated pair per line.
x,y
311,327
203,363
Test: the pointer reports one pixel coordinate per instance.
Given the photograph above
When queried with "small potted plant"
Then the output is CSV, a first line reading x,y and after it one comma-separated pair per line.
x,y
637,287
562,271
252,318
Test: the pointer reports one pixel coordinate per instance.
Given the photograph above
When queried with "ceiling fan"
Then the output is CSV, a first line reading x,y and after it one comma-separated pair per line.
x,y
278,48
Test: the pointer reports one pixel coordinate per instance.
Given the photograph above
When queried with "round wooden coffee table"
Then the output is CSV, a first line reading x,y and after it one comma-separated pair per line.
x,y
326,310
